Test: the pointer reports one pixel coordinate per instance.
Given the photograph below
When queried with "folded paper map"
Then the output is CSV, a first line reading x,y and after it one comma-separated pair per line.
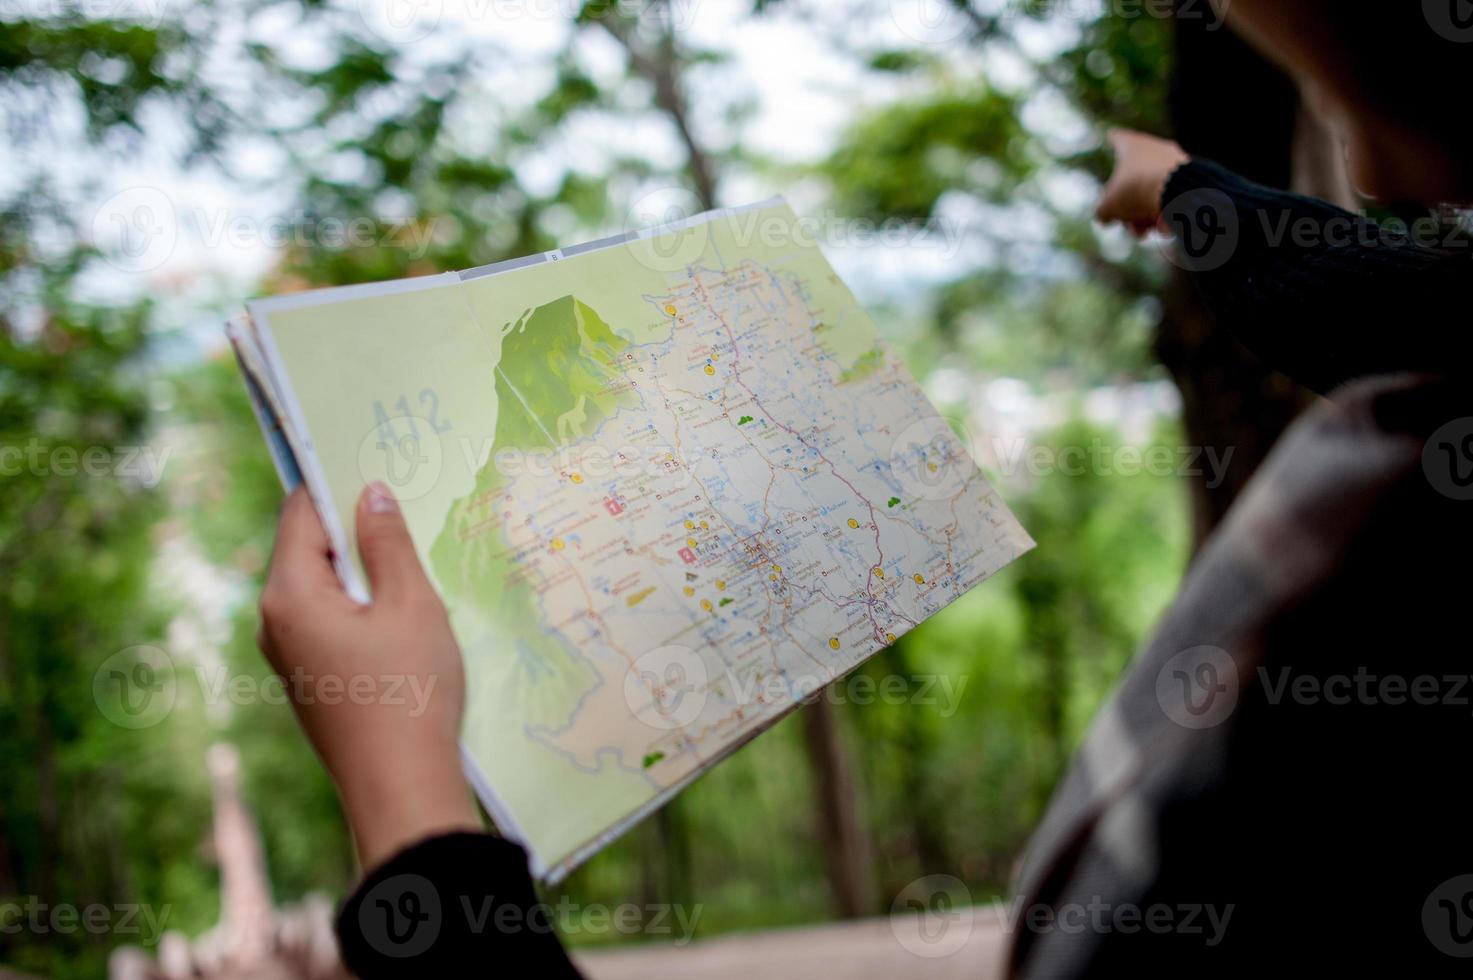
x,y
669,485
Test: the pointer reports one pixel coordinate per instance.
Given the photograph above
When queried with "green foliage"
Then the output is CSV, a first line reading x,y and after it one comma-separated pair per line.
x,y
899,161
1114,73
90,811
113,66
1080,328
1067,306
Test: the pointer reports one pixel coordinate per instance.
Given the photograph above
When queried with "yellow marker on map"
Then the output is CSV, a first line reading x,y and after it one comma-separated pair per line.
x,y
690,542
558,544
920,579
879,572
671,310
853,522
889,637
777,569
710,369
705,526
720,585
576,478
689,590
690,525
706,604
833,643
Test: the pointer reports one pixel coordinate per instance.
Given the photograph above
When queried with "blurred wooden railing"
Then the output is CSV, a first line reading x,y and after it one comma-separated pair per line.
x,y
255,941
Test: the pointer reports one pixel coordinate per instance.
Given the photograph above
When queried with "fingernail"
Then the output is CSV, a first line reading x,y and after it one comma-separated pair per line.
x,y
381,499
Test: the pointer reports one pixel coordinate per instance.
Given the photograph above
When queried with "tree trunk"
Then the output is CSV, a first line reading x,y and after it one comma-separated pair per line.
x,y
848,851
923,800
848,847
1231,106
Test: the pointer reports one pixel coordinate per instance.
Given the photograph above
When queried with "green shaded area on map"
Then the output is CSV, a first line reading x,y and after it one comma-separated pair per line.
x,y
867,364
555,384
552,384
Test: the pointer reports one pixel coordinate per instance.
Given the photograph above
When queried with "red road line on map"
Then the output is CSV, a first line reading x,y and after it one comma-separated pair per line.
x,y
736,356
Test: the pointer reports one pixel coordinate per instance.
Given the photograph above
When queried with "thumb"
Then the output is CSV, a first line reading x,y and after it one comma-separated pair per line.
x,y
1118,137
1114,204
385,546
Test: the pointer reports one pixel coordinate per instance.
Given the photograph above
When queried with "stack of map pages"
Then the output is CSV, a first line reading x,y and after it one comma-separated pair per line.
x,y
669,486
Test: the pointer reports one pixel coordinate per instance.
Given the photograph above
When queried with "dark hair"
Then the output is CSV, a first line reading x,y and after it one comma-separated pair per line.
x,y
1408,58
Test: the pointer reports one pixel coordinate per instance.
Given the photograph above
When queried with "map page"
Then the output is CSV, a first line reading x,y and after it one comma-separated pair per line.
x,y
668,486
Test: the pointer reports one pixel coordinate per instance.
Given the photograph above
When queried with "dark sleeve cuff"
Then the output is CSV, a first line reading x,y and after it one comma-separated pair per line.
x,y
449,902
1189,176
1196,176
1317,292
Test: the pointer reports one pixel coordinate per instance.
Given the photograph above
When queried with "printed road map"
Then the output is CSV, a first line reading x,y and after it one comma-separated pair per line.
x,y
668,488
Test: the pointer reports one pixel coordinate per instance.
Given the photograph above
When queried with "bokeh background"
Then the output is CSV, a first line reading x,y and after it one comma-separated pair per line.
x,y
164,160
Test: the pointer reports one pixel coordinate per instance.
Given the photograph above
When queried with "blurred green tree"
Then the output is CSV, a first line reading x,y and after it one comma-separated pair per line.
x,y
408,137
